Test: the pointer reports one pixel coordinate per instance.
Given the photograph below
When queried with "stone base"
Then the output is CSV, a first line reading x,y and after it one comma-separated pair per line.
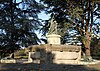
x,y
53,39
55,53
65,55
65,61
8,61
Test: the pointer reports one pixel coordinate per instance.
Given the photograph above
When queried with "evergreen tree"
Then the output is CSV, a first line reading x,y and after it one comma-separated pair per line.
x,y
18,23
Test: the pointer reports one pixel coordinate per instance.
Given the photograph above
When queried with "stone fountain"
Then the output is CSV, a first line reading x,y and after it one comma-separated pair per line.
x,y
54,51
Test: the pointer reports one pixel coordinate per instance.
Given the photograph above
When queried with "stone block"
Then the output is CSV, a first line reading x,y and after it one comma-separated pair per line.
x,y
34,57
65,55
8,61
65,61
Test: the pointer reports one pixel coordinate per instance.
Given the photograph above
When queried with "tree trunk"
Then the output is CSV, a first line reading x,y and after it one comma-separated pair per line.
x,y
87,48
88,34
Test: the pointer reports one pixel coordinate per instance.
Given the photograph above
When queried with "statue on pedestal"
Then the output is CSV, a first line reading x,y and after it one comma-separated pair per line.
x,y
53,37
53,26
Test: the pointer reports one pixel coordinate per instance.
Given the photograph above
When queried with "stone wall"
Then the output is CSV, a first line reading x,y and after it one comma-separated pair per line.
x,y
55,54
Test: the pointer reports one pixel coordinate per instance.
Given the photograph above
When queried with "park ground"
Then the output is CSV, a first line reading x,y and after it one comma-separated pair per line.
x,y
48,67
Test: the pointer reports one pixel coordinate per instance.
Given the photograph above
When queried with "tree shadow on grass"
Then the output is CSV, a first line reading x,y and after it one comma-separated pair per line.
x,y
45,67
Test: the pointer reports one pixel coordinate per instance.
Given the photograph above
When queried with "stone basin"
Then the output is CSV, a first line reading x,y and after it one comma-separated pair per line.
x,y
65,55
55,53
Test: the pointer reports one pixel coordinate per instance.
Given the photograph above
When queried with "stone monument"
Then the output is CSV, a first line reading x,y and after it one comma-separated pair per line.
x,y
53,37
54,51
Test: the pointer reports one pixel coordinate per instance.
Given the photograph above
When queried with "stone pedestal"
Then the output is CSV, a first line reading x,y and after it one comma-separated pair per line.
x,y
53,39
